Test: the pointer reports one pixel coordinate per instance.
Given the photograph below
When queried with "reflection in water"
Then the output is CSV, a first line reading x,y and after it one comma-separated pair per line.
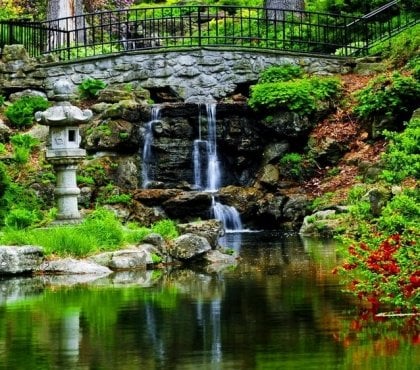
x,y
279,308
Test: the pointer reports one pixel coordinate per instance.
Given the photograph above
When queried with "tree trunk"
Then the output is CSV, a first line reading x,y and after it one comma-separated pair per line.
x,y
275,8
66,28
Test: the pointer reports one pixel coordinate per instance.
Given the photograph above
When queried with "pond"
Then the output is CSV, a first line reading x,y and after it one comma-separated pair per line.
x,y
279,308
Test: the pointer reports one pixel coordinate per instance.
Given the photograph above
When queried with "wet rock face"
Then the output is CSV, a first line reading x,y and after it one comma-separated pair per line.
x,y
239,143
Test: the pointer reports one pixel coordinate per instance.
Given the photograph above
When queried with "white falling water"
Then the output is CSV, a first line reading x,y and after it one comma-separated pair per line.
x,y
147,157
205,152
228,215
213,167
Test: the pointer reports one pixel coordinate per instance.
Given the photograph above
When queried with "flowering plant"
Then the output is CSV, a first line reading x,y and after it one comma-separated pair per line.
x,y
384,271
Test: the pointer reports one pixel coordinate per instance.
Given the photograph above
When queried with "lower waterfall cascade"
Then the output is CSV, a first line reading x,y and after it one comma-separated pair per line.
x,y
205,153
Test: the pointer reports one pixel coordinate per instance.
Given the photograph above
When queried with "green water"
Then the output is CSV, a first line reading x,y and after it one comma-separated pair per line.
x,y
279,308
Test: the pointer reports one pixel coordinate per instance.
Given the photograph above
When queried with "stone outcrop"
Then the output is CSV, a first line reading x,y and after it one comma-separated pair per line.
x,y
189,247
71,266
20,260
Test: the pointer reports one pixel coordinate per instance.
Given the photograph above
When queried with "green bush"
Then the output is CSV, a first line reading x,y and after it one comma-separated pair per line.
x,y
90,88
402,213
388,96
302,96
21,113
402,158
281,73
166,228
22,147
21,218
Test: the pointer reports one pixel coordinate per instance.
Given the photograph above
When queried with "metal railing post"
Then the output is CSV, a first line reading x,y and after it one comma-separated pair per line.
x,y
199,27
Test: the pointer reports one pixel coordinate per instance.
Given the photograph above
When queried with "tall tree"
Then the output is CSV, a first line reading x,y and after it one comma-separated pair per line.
x,y
276,7
67,9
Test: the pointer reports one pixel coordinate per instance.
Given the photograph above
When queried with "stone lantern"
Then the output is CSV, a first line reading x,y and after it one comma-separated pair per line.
x,y
63,150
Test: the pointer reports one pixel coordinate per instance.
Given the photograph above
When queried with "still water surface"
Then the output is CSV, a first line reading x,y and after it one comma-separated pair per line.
x,y
279,308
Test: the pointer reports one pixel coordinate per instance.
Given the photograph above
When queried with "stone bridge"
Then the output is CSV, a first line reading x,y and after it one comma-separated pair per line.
x,y
189,75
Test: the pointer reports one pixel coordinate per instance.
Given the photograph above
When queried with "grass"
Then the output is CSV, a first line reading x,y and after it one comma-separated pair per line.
x,y
101,231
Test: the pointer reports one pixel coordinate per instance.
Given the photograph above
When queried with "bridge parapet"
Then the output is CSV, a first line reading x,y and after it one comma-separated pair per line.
x,y
194,75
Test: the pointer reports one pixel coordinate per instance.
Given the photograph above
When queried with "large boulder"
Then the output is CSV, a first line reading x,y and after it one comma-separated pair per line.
x,y
20,260
126,259
189,246
287,124
188,206
69,266
210,229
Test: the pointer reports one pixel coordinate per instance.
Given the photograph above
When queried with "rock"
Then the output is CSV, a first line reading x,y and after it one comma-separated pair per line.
x,y
269,211
295,208
155,197
378,199
189,246
145,216
287,124
5,132
39,132
115,135
28,92
188,206
274,151
14,52
270,176
320,223
69,266
127,259
210,229
20,260
217,257
244,199
154,239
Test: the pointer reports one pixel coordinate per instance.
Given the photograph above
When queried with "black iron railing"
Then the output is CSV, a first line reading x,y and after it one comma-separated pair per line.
x,y
201,26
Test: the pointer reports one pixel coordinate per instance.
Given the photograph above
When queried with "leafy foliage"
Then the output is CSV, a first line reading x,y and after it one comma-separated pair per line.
x,y
302,95
90,87
22,147
21,218
390,95
402,158
21,113
280,73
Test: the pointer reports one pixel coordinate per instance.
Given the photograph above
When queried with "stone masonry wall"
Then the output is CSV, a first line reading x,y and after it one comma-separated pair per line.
x,y
195,75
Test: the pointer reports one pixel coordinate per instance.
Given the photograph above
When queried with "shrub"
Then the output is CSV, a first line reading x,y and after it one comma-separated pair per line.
x,y
302,96
22,146
388,96
90,87
21,218
401,213
384,270
281,73
21,113
166,228
402,158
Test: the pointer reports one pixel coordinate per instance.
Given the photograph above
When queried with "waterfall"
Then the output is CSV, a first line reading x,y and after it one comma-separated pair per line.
x,y
147,157
205,154
228,215
213,167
